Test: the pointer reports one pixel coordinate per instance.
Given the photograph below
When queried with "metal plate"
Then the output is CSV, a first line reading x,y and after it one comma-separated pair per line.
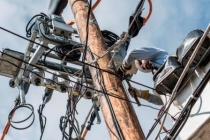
x,y
9,63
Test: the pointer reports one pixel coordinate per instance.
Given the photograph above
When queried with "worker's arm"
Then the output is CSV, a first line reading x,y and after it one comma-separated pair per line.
x,y
155,99
144,53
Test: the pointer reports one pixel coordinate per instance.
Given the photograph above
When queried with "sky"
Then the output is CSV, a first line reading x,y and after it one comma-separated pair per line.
x,y
169,23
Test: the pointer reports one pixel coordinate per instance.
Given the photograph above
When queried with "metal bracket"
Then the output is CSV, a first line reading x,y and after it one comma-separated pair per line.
x,y
34,59
93,21
96,109
22,93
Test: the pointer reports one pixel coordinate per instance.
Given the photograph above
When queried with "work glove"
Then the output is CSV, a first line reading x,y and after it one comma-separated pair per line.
x,y
144,94
122,70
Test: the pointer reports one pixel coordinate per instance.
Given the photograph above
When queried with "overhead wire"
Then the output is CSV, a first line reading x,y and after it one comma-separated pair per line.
x,y
80,61
64,78
85,51
115,121
113,95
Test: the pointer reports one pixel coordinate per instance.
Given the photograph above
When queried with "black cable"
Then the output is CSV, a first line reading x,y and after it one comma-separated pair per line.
x,y
184,122
47,54
41,121
28,30
115,121
113,95
30,107
62,50
65,135
67,119
64,121
83,59
124,78
75,83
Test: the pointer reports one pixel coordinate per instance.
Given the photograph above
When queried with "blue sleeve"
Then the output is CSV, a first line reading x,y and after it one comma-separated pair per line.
x,y
155,99
156,56
140,54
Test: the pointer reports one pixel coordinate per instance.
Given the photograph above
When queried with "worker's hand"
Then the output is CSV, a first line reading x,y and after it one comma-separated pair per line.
x,y
133,91
139,93
122,70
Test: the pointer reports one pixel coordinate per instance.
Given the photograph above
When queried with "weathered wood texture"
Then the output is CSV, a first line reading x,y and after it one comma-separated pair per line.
x,y
123,110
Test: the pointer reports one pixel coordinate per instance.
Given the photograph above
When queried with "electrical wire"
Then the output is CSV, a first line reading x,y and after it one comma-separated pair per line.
x,y
86,46
30,107
28,30
85,51
113,95
64,120
81,61
42,119
84,55
72,82
115,121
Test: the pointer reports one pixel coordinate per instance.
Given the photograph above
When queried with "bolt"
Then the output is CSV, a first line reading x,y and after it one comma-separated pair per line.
x,y
37,82
63,89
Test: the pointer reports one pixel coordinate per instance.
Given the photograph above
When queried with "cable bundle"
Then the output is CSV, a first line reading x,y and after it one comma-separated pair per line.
x,y
109,37
62,50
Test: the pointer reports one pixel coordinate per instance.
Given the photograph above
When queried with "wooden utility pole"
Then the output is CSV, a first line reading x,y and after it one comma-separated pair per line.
x,y
125,115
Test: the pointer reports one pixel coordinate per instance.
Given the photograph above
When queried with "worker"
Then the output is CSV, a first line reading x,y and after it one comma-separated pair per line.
x,y
146,60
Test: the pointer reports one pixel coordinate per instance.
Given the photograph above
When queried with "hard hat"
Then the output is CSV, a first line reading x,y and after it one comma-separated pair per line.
x,y
138,66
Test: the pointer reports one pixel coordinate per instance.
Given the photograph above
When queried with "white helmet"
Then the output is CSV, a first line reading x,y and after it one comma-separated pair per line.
x,y
138,66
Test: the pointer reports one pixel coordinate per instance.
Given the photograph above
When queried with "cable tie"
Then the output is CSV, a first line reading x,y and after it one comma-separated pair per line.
x,y
193,97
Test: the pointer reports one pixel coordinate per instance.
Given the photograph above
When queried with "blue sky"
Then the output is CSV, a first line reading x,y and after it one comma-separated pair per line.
x,y
169,24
